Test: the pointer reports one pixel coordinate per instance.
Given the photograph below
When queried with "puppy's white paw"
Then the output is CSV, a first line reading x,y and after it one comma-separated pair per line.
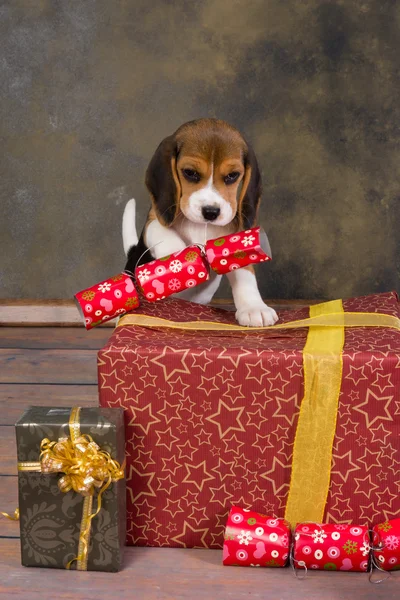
x,y
256,316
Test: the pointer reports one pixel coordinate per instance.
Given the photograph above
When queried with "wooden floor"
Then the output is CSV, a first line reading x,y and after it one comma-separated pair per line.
x,y
57,366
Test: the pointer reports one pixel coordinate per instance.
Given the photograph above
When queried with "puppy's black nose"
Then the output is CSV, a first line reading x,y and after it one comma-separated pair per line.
x,y
210,213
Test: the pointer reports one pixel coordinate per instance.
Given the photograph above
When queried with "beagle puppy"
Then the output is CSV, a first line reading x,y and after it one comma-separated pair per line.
x,y
204,182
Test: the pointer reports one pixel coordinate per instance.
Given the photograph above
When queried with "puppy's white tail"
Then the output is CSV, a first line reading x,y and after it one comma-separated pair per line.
x,y
129,235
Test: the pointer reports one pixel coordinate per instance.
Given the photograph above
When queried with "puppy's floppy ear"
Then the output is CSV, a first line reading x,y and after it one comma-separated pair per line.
x,y
162,181
250,194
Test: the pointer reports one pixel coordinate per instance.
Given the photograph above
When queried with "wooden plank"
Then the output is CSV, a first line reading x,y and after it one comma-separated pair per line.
x,y
8,451
64,313
53,337
8,503
179,574
15,398
48,366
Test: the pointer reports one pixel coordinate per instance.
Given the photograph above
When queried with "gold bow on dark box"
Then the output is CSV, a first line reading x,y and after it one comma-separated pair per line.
x,y
59,530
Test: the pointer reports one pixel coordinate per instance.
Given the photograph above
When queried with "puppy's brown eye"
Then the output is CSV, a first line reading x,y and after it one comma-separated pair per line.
x,y
231,177
191,175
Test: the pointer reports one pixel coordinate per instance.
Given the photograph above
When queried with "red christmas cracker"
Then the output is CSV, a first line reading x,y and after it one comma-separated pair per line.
x,y
172,274
238,250
332,547
255,540
386,542
108,299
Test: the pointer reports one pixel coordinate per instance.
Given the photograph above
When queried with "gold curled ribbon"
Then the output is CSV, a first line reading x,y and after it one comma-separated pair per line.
x,y
14,517
85,469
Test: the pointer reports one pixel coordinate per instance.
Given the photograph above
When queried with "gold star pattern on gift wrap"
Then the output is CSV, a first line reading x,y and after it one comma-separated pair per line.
x,y
383,381
187,404
215,451
135,532
397,411
287,408
256,371
198,515
165,438
203,437
208,385
160,394
110,381
131,394
146,420
241,462
196,420
382,475
364,486
256,419
153,525
148,379
170,412
229,418
144,509
284,467
196,473
335,489
260,462
217,540
379,434
234,392
113,355
369,512
386,497
190,497
177,387
187,529
171,527
186,450
141,362
166,484
206,405
349,427
171,465
263,442
260,399
395,467
375,364
387,451
139,481
162,540
281,432
235,356
356,374
200,360
224,469
136,441
341,506
182,428
167,360
232,444
344,462
144,459
237,485
370,459
173,507
222,492
277,383
286,450
226,374
376,406
295,369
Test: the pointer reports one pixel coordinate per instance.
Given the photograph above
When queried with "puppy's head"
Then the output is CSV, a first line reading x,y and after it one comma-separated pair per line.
x,y
207,172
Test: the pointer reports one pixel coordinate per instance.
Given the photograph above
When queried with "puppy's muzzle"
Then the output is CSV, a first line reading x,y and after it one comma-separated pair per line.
x,y
210,213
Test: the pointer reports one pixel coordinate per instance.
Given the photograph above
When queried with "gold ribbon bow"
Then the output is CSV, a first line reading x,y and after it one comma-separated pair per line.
x,y
85,468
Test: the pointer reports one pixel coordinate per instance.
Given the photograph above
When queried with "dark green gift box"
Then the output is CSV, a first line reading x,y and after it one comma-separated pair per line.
x,y
50,520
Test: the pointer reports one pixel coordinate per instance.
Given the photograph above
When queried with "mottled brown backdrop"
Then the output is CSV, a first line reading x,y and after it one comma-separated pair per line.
x,y
89,88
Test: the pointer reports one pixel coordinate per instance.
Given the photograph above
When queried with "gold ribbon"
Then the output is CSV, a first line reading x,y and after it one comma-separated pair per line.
x,y
334,319
312,451
322,362
85,468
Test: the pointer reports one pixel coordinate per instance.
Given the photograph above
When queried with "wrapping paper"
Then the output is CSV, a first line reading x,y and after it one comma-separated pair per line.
x,y
106,300
255,540
51,520
331,547
238,250
386,542
172,274
212,417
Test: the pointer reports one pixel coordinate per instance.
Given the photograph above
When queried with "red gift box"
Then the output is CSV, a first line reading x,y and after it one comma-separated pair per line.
x,y
254,540
386,542
106,300
238,250
211,420
332,547
172,274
